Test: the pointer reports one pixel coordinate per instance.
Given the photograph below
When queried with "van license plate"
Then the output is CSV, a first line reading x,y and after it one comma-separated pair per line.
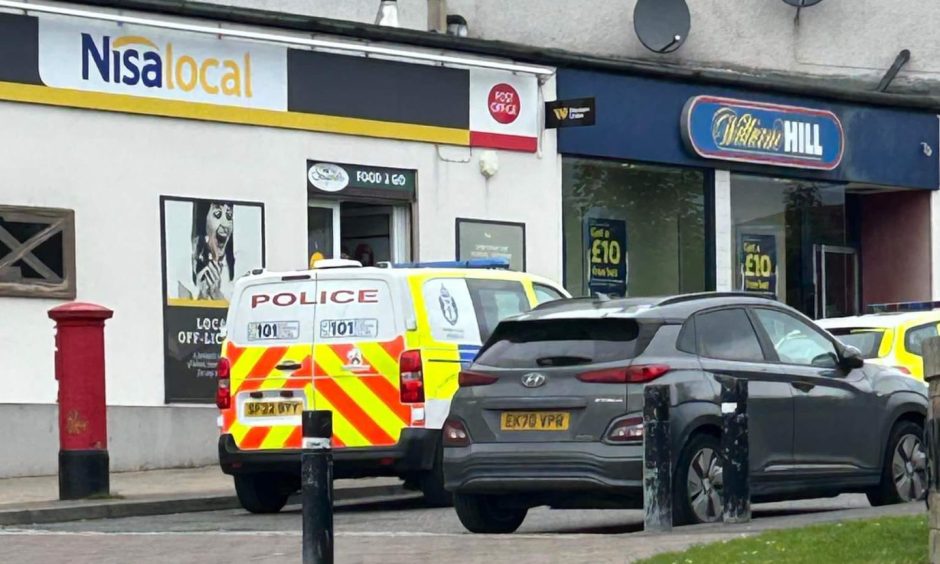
x,y
534,420
273,408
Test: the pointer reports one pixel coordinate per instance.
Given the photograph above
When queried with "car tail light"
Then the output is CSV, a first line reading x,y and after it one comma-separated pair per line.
x,y
455,433
626,430
636,374
223,393
468,379
411,377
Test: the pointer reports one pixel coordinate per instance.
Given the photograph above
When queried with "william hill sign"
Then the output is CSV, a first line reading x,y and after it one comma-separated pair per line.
x,y
757,132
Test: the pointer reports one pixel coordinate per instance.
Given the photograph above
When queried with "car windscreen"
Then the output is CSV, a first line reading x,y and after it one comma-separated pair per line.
x,y
560,342
866,340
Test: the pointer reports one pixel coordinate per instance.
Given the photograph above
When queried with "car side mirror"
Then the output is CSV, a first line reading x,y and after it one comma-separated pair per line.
x,y
852,358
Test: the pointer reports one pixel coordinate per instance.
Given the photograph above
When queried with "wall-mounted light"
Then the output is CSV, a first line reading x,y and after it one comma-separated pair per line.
x,y
457,25
489,163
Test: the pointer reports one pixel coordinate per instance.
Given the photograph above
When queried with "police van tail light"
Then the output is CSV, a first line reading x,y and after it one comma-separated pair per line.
x,y
223,394
411,377
903,370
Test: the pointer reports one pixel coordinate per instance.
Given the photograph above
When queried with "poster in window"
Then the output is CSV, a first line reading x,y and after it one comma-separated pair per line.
x,y
607,256
757,261
478,239
207,246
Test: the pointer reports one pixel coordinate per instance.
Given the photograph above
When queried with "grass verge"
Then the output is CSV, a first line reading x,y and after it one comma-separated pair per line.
x,y
890,540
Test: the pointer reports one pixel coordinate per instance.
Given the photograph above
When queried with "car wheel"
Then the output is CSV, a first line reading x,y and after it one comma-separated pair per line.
x,y
904,473
261,493
487,515
699,484
432,484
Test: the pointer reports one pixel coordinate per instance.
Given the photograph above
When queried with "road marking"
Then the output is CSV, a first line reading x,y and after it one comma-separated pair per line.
x,y
45,532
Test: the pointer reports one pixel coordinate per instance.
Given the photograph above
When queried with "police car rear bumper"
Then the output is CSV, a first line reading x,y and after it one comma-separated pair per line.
x,y
415,452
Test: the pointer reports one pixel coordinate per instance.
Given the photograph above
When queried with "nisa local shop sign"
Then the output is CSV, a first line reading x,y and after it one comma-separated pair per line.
x,y
135,61
756,132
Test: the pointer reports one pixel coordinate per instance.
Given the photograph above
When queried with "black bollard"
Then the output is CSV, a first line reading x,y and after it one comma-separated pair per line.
x,y
316,477
657,460
736,490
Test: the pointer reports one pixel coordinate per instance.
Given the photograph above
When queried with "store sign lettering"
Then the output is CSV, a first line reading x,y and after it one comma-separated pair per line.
x,y
135,59
756,132
757,262
286,299
606,244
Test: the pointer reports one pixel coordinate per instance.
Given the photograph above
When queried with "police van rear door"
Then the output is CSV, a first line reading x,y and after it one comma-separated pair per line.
x,y
358,338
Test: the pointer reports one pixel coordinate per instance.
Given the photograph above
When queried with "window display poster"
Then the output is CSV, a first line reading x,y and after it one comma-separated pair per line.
x,y
478,239
757,260
207,246
607,256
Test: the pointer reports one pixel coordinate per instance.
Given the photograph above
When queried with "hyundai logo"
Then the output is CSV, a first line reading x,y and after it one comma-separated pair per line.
x,y
533,380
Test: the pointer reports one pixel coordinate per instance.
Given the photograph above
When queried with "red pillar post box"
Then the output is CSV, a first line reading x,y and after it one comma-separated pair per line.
x,y
83,430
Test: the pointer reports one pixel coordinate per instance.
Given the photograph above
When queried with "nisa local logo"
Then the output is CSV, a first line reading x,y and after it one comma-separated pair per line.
x,y
136,60
756,132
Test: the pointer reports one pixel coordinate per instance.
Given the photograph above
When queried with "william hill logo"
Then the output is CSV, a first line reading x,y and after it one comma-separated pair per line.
x,y
135,60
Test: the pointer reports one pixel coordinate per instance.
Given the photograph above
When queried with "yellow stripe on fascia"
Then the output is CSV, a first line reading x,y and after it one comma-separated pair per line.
x,y
277,436
342,428
63,97
185,302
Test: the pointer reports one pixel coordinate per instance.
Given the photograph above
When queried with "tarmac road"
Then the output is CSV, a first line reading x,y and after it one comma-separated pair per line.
x,y
395,530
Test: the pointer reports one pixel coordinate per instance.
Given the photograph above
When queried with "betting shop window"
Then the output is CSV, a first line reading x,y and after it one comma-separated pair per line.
x,y
37,252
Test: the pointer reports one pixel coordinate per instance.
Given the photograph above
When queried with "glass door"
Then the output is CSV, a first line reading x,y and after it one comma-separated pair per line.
x,y
836,281
323,241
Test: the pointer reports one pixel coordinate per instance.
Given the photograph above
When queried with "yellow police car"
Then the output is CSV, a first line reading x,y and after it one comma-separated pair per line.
x,y
891,335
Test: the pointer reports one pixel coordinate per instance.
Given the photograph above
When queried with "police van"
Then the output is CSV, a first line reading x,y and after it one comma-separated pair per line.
x,y
379,347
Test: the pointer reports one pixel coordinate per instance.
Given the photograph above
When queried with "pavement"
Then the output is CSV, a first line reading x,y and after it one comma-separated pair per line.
x,y
150,492
401,529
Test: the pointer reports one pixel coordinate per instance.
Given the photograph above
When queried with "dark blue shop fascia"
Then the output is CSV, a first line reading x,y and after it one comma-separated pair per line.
x,y
638,119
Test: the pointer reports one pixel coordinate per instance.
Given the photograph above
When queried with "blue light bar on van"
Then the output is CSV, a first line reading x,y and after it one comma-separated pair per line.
x,y
903,306
474,263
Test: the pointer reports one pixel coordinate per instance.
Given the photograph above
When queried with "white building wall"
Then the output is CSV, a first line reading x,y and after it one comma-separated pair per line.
x,y
111,169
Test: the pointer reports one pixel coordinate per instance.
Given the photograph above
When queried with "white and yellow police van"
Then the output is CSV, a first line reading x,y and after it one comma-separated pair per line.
x,y
379,347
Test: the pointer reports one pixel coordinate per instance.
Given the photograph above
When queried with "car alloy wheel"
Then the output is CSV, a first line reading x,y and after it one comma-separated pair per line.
x,y
909,468
705,486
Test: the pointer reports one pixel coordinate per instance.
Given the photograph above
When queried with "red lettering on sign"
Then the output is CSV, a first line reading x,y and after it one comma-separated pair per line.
x,y
259,299
285,299
368,296
305,301
504,103
335,296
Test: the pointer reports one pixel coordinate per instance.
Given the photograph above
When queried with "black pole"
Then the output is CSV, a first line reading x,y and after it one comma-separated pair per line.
x,y
316,477
657,460
736,490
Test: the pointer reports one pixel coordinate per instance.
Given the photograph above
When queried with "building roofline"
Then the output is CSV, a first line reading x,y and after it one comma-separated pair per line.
x,y
819,87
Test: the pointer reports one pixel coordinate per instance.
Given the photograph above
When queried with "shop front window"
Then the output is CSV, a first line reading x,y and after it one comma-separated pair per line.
x,y
633,229
791,240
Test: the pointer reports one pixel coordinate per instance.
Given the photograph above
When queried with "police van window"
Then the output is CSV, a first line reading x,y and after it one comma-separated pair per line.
x,y
545,293
495,300
914,340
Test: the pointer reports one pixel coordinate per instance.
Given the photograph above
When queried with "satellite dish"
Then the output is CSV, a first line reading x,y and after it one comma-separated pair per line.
x,y
802,3
662,25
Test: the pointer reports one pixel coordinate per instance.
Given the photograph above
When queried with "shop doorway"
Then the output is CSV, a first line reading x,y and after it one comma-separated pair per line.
x,y
367,232
836,281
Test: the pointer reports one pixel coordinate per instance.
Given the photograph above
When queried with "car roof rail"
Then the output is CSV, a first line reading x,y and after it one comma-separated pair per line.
x,y
500,264
711,295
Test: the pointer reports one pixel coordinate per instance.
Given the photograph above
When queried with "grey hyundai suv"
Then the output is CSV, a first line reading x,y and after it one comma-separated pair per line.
x,y
549,413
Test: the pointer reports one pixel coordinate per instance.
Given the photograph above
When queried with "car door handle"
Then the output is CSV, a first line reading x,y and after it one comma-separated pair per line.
x,y
803,386
288,366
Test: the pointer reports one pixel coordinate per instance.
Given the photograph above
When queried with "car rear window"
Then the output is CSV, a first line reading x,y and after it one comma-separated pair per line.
x,y
560,342
868,341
